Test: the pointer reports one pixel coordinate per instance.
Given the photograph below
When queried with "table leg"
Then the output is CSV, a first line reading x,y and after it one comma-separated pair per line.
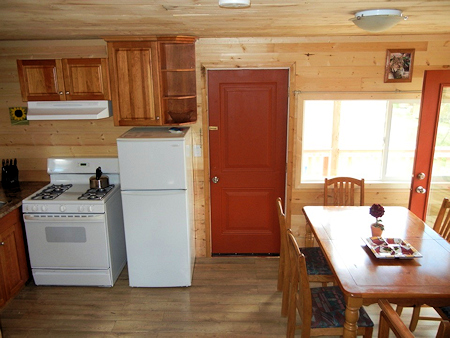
x,y
351,316
309,238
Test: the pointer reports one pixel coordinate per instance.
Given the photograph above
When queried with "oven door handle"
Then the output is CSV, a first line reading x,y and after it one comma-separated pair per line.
x,y
76,218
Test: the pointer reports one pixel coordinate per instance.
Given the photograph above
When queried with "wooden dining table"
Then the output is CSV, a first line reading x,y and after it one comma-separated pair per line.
x,y
364,278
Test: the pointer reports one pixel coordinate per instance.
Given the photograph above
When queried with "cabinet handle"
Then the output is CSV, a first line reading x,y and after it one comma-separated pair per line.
x,y
2,243
67,93
60,93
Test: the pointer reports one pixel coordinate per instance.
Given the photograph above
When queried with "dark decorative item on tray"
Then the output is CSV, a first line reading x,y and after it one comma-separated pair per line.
x,y
377,211
181,117
390,248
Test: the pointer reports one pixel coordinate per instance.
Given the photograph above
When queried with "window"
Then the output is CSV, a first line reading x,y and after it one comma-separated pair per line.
x,y
373,139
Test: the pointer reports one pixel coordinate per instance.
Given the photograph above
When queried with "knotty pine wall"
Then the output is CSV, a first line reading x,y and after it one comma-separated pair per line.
x,y
320,67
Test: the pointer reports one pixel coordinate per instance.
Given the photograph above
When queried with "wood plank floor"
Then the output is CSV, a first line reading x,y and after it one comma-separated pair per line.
x,y
230,297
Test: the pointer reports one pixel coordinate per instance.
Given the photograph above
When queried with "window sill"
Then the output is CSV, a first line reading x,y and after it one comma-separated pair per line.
x,y
367,185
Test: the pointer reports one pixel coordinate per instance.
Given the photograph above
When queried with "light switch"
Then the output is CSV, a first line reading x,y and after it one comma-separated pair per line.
x,y
197,150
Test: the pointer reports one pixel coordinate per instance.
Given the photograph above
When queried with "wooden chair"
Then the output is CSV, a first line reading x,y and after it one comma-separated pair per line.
x,y
390,319
317,266
442,223
322,309
341,191
442,227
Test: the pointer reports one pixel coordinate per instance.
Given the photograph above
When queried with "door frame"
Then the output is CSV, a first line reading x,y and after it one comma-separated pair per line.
x,y
205,134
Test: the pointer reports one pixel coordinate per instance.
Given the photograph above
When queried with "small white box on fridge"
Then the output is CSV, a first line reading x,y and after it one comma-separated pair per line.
x,y
157,195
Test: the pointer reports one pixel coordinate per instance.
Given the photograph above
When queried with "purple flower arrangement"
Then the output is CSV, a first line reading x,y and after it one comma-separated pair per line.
x,y
377,211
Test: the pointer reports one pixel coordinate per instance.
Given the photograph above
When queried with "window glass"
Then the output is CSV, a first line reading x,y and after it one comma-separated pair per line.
x,y
370,139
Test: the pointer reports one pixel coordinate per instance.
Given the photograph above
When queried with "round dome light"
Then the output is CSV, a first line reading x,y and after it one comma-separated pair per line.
x,y
378,20
234,3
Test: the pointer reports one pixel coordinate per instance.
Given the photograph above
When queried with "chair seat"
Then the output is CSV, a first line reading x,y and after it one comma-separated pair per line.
x,y
328,309
316,263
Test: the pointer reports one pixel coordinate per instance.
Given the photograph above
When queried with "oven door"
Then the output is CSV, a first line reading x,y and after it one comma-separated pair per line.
x,y
72,241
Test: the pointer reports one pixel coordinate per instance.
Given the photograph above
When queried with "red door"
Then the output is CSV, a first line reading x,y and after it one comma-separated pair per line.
x,y
248,112
435,98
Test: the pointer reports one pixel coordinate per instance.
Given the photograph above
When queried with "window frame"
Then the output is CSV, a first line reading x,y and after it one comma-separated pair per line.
x,y
411,96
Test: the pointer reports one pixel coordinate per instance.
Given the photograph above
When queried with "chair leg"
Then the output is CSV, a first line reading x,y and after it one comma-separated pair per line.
x,y
368,332
292,308
399,310
281,268
286,291
383,327
444,329
414,318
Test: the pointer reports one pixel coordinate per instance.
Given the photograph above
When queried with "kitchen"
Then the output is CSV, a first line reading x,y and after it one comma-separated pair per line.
x,y
319,63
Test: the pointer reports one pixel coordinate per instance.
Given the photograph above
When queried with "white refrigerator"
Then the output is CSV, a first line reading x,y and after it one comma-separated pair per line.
x,y
156,180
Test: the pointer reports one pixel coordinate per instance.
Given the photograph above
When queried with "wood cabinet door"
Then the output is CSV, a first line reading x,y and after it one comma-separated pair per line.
x,y
41,80
13,264
135,83
86,79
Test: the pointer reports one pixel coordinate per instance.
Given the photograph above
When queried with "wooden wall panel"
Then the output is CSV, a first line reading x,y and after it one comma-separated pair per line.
x,y
319,66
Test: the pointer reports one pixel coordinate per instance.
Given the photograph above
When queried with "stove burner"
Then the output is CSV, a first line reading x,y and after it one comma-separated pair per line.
x,y
51,192
96,193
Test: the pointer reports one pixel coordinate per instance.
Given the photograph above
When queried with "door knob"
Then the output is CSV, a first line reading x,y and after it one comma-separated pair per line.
x,y
421,190
215,179
420,176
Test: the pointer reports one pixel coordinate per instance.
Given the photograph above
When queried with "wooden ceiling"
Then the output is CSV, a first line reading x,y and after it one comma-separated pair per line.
x,y
88,19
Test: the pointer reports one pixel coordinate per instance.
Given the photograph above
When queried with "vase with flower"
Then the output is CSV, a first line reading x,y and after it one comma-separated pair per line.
x,y
377,211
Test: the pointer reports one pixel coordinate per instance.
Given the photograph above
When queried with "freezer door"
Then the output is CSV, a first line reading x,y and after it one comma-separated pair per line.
x,y
158,238
147,164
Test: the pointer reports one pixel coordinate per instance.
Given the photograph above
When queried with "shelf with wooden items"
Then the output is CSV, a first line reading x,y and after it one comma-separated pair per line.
x,y
64,79
14,271
150,77
178,81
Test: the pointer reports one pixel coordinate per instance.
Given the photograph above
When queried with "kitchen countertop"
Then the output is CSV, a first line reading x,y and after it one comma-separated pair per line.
x,y
15,197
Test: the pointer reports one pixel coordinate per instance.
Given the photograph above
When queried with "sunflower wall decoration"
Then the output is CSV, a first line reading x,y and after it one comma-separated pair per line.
x,y
18,115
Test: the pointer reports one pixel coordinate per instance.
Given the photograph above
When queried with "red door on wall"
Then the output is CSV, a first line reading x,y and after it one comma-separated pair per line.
x,y
248,112
435,100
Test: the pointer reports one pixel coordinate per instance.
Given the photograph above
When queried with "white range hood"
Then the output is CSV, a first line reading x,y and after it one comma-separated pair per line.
x,y
69,110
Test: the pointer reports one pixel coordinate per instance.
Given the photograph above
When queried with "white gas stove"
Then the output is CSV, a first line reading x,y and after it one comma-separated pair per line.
x,y
75,234
69,190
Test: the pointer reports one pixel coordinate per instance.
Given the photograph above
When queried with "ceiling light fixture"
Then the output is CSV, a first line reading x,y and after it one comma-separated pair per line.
x,y
378,20
234,3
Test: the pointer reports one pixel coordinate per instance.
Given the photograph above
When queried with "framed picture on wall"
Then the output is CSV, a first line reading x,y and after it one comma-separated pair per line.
x,y
399,65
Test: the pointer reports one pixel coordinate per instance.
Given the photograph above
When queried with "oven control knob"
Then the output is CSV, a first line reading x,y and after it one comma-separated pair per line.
x,y
35,208
62,208
44,208
81,208
91,208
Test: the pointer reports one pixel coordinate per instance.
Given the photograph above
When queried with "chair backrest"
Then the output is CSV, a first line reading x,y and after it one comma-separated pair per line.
x,y
389,319
300,292
442,224
281,216
284,256
341,191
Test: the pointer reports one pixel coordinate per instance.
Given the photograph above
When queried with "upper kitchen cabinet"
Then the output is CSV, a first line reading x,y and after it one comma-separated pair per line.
x,y
64,79
153,80
178,80
134,82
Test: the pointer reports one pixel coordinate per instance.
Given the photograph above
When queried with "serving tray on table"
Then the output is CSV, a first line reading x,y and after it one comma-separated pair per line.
x,y
391,248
